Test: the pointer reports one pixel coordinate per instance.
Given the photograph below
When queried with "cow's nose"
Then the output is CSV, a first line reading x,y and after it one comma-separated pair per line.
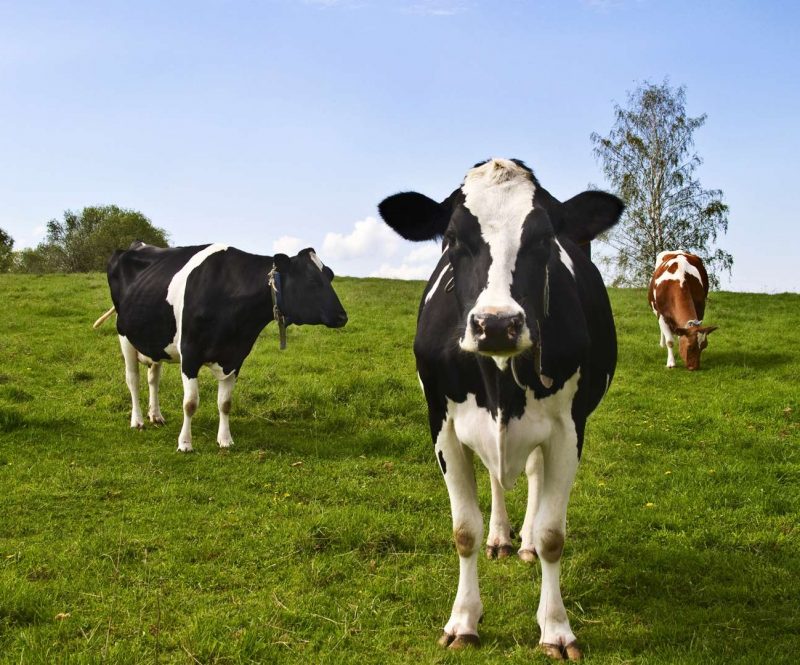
x,y
497,331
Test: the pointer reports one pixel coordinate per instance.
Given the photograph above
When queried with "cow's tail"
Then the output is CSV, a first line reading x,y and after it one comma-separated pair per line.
x,y
104,318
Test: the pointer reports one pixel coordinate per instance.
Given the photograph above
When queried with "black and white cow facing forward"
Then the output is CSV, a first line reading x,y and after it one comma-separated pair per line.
x,y
515,347
206,305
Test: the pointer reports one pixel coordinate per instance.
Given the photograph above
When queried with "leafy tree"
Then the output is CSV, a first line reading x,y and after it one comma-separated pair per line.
x,y
83,241
648,158
6,251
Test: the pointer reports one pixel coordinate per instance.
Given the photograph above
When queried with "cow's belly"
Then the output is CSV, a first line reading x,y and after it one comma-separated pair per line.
x,y
504,448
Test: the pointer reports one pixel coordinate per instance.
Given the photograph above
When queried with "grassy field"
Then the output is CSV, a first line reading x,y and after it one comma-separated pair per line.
x,y
323,536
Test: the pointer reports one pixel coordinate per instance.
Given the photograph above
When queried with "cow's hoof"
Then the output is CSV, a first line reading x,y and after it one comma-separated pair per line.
x,y
225,444
139,425
559,652
185,447
528,556
457,642
158,420
498,551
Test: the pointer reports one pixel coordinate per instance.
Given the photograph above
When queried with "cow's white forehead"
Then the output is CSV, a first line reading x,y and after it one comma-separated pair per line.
x,y
499,194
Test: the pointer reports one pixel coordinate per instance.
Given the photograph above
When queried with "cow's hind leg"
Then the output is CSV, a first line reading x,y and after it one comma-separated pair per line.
x,y
560,462
131,356
191,400
224,393
533,470
459,475
498,543
153,381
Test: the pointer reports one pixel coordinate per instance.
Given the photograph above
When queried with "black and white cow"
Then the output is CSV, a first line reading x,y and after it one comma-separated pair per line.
x,y
515,347
206,305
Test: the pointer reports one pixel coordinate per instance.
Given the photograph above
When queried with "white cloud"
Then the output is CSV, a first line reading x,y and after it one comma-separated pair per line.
x,y
39,231
418,264
427,253
403,271
287,245
368,238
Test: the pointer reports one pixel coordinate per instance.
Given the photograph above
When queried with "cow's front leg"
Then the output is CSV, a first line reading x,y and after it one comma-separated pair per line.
x,y
560,461
459,475
191,400
668,337
498,543
224,393
153,380
533,470
131,357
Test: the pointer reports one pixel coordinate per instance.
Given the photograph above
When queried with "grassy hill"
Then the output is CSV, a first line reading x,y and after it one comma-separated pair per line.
x,y
323,536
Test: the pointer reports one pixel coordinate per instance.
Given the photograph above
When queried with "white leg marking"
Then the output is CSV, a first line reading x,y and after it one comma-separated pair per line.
x,y
467,531
130,355
153,380
560,459
224,393
668,337
191,400
498,543
533,469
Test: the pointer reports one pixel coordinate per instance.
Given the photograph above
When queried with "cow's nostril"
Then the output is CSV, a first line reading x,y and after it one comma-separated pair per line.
x,y
515,326
477,324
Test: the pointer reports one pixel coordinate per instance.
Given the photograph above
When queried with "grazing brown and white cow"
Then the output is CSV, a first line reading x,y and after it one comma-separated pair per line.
x,y
677,294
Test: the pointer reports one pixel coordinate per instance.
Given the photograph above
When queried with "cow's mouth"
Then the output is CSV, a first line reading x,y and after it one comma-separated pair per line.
x,y
496,334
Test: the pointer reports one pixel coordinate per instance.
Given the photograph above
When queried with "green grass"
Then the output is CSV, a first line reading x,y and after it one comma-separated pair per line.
x,y
323,536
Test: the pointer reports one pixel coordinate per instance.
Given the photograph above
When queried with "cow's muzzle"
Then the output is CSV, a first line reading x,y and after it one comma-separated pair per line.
x,y
497,333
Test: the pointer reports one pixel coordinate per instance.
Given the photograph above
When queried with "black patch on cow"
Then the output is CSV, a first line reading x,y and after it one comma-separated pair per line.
x,y
442,463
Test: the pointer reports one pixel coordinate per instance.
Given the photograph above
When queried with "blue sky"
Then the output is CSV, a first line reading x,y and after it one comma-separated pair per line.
x,y
281,124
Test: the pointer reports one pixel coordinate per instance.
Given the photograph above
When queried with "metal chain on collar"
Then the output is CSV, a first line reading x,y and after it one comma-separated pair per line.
x,y
274,278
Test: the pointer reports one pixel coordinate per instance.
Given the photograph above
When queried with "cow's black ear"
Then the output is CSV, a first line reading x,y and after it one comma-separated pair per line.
x,y
414,216
282,262
588,214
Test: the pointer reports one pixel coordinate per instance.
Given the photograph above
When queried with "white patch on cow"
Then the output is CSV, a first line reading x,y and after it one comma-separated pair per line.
x,y
684,268
608,384
176,292
565,258
500,195
436,283
504,449
315,259
421,385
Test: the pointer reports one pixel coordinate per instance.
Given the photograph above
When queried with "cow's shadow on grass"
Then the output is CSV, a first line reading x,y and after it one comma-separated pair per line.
x,y
744,359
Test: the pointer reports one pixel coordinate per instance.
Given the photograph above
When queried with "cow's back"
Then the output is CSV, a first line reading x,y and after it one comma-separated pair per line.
x,y
139,279
678,288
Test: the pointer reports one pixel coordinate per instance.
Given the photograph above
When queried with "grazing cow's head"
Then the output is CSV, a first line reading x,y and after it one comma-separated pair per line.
x,y
500,230
307,296
693,339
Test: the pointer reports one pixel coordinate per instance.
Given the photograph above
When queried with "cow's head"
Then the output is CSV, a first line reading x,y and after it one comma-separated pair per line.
x,y
306,294
500,230
693,339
